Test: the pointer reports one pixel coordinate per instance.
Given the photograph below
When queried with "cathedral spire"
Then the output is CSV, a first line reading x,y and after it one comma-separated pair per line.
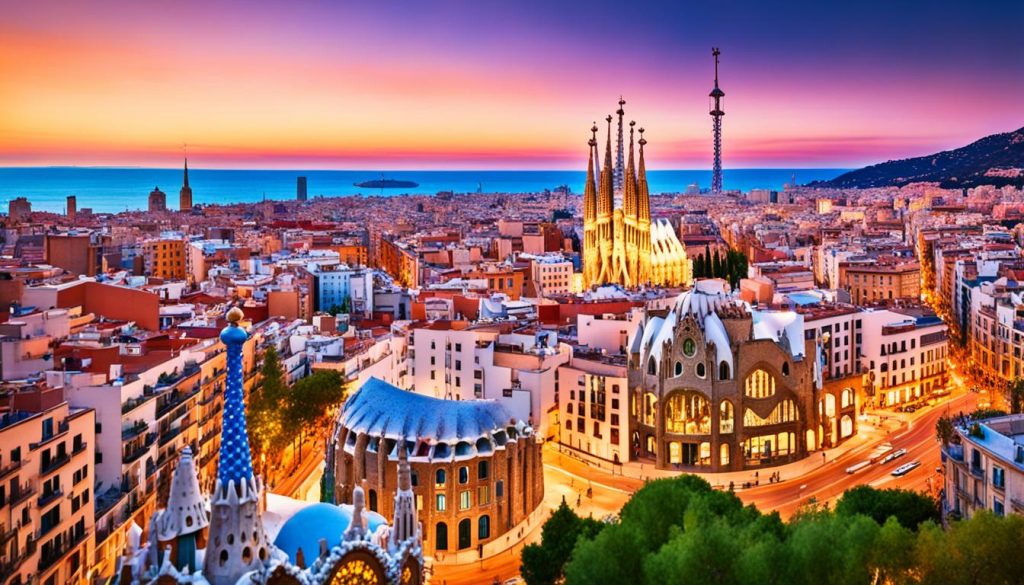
x,y
605,189
590,188
185,183
643,195
629,198
619,146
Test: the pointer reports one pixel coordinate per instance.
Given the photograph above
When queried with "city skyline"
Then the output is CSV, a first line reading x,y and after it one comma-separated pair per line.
x,y
486,87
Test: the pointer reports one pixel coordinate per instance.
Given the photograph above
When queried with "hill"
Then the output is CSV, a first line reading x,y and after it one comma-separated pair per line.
x,y
994,160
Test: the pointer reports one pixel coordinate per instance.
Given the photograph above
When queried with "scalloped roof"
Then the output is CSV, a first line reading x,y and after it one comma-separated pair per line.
x,y
379,408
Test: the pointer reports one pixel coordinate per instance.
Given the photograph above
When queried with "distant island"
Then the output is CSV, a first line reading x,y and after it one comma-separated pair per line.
x,y
386,184
994,160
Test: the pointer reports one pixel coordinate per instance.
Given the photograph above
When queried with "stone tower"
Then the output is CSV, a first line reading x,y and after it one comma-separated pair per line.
x,y
185,195
237,542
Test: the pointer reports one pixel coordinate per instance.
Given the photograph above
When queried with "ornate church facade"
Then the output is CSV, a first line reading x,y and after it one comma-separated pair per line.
x,y
621,245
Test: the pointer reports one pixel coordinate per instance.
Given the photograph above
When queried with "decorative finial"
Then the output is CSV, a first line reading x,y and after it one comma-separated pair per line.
x,y
235,315
643,140
609,119
622,101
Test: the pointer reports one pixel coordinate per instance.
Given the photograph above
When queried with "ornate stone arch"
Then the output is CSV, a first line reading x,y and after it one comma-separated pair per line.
x,y
358,567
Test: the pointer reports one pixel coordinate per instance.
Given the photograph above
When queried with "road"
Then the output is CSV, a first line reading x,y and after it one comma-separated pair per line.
x,y
568,477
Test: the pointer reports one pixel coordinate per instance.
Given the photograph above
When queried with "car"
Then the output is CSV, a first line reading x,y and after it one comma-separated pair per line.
x,y
906,468
910,408
893,456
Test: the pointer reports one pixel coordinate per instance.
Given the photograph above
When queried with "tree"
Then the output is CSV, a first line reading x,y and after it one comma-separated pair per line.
x,y
717,269
944,430
1015,396
542,563
267,404
909,508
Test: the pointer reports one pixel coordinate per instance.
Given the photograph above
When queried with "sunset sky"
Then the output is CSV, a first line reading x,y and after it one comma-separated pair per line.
x,y
499,84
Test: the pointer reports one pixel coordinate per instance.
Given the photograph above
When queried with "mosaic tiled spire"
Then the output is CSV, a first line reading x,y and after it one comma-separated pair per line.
x,y
235,455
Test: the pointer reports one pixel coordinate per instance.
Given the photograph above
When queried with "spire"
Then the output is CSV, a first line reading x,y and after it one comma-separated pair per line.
x,y
604,195
235,455
619,148
643,196
590,189
629,200
186,173
404,525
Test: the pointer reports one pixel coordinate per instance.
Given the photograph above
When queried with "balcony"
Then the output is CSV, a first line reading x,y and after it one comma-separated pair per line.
x,y
62,428
54,464
8,568
137,428
21,494
50,497
80,447
51,556
10,468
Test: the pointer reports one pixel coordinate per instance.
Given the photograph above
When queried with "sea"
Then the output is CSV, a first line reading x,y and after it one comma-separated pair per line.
x,y
111,190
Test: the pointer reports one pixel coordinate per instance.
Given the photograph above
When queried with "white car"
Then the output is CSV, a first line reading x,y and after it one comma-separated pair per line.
x,y
893,456
906,468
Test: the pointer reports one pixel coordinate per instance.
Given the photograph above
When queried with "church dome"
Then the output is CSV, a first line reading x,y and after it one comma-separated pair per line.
x,y
319,521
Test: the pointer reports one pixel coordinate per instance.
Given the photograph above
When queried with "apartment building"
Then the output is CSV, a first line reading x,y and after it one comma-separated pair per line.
x,y
984,467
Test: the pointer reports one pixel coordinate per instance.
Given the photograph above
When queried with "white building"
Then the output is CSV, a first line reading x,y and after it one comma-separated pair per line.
x,y
905,351
985,471
551,274
593,406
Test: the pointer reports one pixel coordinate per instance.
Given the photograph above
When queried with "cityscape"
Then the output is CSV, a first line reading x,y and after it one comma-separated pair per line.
x,y
534,294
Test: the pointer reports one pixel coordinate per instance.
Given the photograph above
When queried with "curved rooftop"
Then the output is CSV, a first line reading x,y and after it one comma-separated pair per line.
x,y
319,521
443,428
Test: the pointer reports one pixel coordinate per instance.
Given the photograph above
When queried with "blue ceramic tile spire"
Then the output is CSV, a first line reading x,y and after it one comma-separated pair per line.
x,y
235,455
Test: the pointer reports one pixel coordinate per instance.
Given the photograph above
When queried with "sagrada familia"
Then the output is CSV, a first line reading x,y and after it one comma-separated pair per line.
x,y
232,536
621,245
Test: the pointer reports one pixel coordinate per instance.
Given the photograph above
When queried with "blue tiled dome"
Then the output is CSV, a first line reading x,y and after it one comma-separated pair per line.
x,y
318,521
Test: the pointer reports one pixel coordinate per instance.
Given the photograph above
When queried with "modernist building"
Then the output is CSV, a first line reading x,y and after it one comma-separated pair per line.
x,y
620,244
305,544
716,386
476,472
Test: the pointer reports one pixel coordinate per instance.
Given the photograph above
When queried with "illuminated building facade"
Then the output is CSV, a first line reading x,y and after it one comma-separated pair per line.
x,y
620,243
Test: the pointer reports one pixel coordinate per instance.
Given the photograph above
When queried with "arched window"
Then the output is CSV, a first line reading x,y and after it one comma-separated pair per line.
x,y
688,413
701,370
568,408
465,534
723,458
439,478
483,527
679,369
441,536
847,397
652,366
723,370
463,475
785,368
760,384
725,417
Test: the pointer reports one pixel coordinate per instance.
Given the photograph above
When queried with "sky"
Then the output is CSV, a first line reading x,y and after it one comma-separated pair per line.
x,y
398,84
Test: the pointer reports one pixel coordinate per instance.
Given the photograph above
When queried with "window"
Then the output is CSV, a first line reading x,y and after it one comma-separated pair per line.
x,y
465,534
483,495
465,499
723,371
463,475
679,369
652,366
442,503
997,507
458,347
483,527
998,477
441,536
499,488
689,347
483,470
439,478
761,384
701,370
785,368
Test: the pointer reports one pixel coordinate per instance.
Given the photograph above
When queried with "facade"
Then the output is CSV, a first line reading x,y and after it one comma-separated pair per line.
x,y
593,405
984,470
185,195
551,275
157,200
165,258
716,386
46,516
401,263
618,243
905,354
873,282
475,471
